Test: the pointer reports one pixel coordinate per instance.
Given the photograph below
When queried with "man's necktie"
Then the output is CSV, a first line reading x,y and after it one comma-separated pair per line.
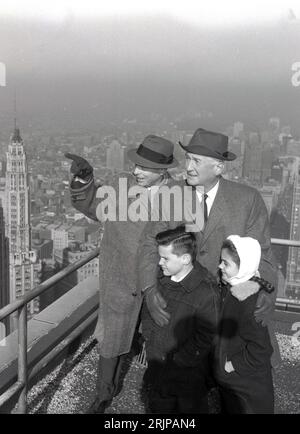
x,y
205,208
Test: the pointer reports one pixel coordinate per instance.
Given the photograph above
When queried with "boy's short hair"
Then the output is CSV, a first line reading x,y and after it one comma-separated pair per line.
x,y
182,241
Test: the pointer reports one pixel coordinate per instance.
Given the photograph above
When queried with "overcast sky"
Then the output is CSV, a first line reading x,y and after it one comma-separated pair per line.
x,y
71,61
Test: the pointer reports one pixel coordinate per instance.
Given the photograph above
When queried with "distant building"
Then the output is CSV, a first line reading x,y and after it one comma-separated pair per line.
x,y
2,168
60,237
277,171
23,264
293,148
293,264
270,196
49,269
4,274
253,158
71,254
115,156
266,163
284,140
77,233
43,248
45,231
63,234
78,251
234,169
93,233
238,129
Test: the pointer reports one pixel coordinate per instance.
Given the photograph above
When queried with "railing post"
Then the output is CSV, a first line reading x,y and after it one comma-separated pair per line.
x,y
22,359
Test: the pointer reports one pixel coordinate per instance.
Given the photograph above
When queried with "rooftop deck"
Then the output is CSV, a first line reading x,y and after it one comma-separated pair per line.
x,y
70,387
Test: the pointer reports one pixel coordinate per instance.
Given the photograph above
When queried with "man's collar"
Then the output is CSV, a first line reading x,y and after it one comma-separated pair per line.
x,y
213,191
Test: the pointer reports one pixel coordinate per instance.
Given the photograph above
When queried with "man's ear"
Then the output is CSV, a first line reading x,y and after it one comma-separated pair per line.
x,y
220,166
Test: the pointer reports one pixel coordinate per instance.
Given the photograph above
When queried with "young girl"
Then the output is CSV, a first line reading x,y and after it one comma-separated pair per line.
x,y
242,365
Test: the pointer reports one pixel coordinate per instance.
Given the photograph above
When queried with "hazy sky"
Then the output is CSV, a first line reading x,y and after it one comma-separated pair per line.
x,y
99,60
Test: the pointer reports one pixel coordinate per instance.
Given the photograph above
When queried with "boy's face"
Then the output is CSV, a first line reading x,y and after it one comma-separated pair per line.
x,y
170,263
227,266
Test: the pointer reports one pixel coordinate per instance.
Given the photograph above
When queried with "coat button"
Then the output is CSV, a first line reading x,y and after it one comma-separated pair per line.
x,y
134,294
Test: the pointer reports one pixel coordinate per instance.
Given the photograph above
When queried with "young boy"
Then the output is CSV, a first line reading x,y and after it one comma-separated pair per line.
x,y
177,353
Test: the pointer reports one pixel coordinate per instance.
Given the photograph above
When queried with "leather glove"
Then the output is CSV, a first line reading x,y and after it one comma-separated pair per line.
x,y
80,167
156,306
264,307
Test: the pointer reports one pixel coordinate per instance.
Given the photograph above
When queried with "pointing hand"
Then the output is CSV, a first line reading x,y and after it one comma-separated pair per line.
x,y
80,167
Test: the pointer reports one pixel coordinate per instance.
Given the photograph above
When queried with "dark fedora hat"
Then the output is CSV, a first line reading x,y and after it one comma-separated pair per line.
x,y
154,153
209,144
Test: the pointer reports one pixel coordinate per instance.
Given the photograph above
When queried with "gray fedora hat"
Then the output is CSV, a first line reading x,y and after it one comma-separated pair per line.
x,y
209,144
154,153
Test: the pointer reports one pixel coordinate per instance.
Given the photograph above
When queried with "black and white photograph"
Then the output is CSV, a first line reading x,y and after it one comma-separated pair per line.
x,y
149,209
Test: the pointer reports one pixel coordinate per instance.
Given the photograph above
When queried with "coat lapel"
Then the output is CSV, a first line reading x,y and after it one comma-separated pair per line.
x,y
216,212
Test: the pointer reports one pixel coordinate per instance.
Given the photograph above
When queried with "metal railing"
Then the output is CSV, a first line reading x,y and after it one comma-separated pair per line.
x,y
20,306
288,243
286,304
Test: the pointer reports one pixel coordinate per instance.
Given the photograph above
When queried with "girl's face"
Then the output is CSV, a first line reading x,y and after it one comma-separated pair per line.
x,y
227,266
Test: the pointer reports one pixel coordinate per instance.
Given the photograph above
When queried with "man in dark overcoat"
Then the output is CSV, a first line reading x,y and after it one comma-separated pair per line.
x,y
230,208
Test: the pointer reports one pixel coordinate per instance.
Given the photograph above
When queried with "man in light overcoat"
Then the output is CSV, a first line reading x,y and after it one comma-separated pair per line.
x,y
120,295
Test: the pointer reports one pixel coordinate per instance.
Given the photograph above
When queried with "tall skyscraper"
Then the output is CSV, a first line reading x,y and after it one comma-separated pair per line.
x,y
4,273
234,169
238,129
253,158
115,156
293,264
23,265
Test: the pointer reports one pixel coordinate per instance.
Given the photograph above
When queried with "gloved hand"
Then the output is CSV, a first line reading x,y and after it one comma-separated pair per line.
x,y
80,167
264,307
156,306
